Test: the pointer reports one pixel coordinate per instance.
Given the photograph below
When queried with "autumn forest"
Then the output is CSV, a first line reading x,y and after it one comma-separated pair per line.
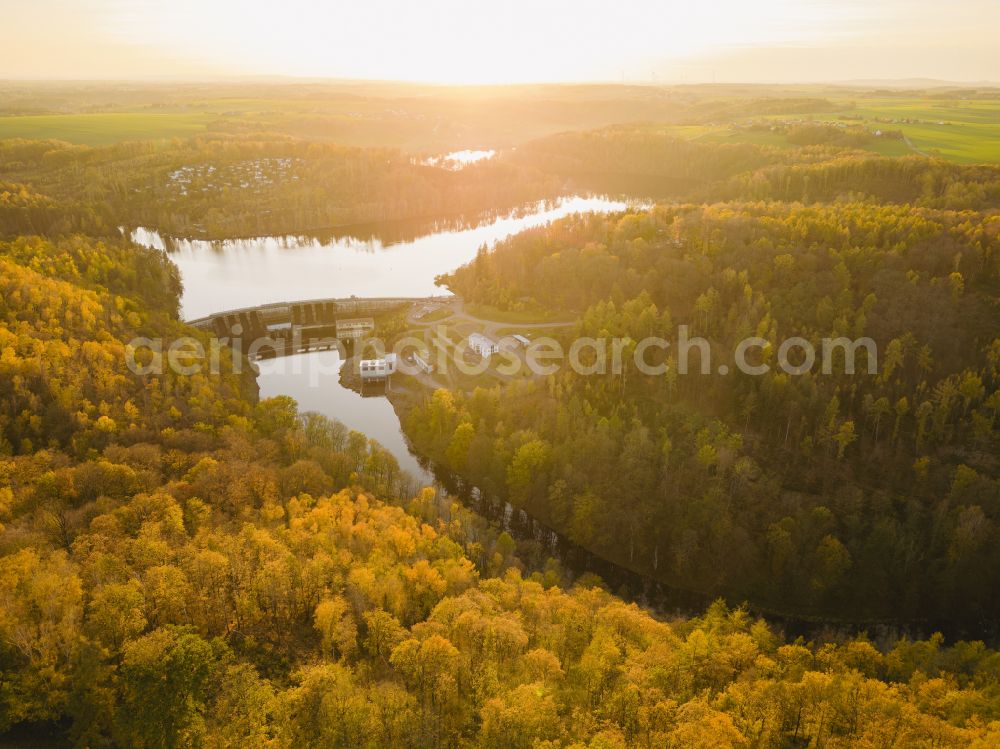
x,y
188,562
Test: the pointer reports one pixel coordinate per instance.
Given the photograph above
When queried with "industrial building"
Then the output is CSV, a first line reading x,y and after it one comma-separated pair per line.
x,y
482,345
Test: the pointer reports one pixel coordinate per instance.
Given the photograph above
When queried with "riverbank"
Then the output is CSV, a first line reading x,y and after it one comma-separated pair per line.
x,y
538,541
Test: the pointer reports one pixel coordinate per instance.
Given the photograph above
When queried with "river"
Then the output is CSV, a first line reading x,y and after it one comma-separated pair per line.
x,y
379,261
368,261
313,380
230,274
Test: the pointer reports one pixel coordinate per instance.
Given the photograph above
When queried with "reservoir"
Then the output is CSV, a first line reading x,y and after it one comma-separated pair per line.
x,y
388,261
371,261
392,260
230,274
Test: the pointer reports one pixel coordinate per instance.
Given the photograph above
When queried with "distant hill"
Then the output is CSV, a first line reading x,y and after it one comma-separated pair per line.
x,y
905,83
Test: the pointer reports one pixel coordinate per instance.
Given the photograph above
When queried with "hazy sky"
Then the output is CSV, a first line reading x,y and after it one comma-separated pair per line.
x,y
474,41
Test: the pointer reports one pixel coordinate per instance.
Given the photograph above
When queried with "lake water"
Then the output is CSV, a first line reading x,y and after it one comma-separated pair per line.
x,y
236,273
459,159
232,274
313,380
239,273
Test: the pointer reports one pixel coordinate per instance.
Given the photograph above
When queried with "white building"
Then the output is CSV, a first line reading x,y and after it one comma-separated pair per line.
x,y
378,369
482,345
523,341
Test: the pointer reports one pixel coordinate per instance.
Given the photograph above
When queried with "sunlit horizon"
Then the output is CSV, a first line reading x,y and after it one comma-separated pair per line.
x,y
472,43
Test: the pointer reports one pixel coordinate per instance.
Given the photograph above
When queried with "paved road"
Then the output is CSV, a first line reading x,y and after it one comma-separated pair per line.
x,y
489,327
486,326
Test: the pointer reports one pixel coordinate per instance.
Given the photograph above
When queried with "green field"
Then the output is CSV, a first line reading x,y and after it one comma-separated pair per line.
x,y
963,142
104,128
435,120
953,129
493,314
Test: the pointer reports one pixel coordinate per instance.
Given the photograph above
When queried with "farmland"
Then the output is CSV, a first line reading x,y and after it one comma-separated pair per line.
x,y
104,128
953,129
960,125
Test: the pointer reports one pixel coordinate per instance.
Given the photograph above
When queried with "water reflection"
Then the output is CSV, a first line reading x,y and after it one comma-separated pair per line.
x,y
244,272
539,542
458,159
314,381
237,273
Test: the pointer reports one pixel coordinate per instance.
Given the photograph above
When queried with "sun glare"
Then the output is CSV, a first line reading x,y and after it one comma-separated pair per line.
x,y
468,42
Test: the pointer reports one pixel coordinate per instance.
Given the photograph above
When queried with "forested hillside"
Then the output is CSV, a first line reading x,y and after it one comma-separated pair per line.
x,y
184,566
227,185
817,164
237,186
852,497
